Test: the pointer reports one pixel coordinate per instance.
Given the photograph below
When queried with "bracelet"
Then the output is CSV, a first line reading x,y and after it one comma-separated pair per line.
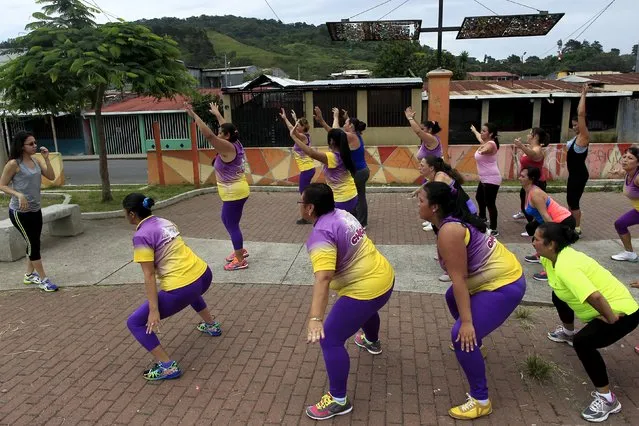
x,y
315,319
411,119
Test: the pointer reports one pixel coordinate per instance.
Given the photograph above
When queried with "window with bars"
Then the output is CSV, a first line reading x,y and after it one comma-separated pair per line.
x,y
386,107
342,99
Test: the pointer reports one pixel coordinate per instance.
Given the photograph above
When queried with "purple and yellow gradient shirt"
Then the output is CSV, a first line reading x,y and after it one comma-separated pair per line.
x,y
304,162
158,240
231,176
339,243
339,178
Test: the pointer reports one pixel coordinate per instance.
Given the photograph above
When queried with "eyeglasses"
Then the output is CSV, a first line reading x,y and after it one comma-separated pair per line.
x,y
30,144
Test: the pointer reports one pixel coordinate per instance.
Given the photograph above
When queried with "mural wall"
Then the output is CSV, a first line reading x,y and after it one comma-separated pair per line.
x,y
388,164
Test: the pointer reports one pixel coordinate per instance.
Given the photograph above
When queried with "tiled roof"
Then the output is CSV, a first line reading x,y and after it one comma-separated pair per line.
x,y
492,74
149,104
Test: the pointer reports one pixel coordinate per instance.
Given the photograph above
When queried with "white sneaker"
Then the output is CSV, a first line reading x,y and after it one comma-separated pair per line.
x,y
628,256
519,215
425,223
444,278
524,234
428,227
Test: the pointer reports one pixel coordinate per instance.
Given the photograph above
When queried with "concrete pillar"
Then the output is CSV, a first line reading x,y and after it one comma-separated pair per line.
x,y
619,122
565,120
362,106
536,119
485,111
439,103
416,102
308,107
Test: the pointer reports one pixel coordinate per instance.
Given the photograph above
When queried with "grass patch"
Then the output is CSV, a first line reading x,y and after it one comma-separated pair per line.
x,y
45,202
538,368
523,313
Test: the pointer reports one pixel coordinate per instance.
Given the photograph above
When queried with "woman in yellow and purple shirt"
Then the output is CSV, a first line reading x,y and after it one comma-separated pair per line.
x,y
344,259
184,278
338,167
488,284
232,186
305,164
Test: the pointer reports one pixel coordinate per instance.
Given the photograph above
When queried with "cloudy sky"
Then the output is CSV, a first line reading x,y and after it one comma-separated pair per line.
x,y
617,27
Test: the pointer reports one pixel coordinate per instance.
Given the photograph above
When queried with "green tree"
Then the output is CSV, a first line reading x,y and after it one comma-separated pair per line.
x,y
68,63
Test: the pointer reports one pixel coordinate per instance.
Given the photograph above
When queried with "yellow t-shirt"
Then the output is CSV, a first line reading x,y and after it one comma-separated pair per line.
x,y
575,276
339,178
339,243
158,240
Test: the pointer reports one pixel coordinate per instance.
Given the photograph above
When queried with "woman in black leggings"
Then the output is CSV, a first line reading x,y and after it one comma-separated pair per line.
x,y
489,173
576,159
585,289
21,178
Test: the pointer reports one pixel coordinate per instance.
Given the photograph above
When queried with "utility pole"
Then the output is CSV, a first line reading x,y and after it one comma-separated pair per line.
x,y
226,72
637,62
298,73
440,29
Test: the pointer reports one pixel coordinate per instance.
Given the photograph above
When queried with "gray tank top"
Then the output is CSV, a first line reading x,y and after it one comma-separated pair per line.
x,y
27,181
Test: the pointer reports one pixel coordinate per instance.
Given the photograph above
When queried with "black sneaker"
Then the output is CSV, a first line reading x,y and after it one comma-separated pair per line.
x,y
302,221
327,407
374,348
533,258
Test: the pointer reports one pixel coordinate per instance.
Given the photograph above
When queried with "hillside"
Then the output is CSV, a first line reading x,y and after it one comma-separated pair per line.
x,y
265,43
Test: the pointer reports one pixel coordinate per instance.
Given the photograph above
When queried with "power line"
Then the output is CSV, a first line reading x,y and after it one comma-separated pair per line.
x,y
486,7
371,8
589,22
269,6
393,10
524,5
602,12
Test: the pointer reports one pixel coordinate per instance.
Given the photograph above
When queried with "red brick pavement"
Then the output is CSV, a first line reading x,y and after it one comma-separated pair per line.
x,y
68,358
393,217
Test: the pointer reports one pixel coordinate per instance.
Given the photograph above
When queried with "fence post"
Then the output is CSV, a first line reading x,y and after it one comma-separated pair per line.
x,y
158,151
195,156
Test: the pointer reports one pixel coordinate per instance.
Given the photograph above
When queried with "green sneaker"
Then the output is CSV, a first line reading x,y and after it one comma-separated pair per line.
x,y
162,371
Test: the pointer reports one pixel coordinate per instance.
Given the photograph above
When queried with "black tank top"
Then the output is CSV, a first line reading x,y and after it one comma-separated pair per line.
x,y
575,161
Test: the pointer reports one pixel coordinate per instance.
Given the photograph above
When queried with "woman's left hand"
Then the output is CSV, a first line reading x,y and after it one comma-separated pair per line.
x,y
153,321
45,152
315,331
467,337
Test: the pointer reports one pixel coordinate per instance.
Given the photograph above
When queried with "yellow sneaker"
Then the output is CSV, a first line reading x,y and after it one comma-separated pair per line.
x,y
470,410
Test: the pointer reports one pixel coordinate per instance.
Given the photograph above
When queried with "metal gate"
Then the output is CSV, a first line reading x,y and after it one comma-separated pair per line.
x,y
256,115
122,134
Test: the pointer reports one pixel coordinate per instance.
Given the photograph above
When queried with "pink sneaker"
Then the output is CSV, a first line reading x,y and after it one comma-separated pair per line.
x,y
231,256
235,265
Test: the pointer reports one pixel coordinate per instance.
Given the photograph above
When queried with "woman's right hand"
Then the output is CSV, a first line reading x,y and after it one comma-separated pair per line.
x,y
214,110
409,113
473,129
24,204
282,114
335,112
317,114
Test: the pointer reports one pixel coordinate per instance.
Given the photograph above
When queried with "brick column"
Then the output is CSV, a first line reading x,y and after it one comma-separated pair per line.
x,y
439,103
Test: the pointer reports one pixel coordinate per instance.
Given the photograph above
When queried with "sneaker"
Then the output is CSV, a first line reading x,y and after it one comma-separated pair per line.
x,y
578,230
47,285
541,276
445,278
628,256
525,234
493,232
518,216
428,227
470,410
327,407
235,265
212,329
425,223
599,409
231,256
32,278
560,336
533,258
159,372
374,348
302,222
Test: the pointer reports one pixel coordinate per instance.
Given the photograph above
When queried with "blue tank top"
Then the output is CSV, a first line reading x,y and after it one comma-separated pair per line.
x,y
358,155
531,211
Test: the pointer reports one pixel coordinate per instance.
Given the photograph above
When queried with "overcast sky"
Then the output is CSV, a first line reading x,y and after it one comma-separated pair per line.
x,y
617,27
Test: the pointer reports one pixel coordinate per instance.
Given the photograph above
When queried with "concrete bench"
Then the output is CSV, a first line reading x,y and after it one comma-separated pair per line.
x,y
65,220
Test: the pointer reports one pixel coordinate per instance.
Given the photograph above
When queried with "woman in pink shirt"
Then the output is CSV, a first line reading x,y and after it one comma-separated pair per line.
x,y
489,174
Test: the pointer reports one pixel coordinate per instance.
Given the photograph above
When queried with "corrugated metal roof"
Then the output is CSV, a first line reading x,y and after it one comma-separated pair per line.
x,y
147,104
319,84
492,74
626,78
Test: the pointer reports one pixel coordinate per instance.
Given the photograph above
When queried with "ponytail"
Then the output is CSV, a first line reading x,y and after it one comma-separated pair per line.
x,y
339,139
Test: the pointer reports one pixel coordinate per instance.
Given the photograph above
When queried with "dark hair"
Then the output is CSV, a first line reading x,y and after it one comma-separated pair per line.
x,y
544,138
339,138
231,130
15,153
139,204
451,204
304,124
492,129
320,196
439,165
433,126
561,235
534,174
357,124
574,118
634,151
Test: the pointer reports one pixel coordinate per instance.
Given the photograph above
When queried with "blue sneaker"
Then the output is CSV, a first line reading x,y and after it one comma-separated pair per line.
x,y
47,285
32,278
213,329
160,372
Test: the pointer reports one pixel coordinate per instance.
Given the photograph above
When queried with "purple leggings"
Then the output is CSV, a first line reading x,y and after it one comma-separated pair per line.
x,y
626,220
231,215
305,179
349,205
347,316
169,303
489,310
